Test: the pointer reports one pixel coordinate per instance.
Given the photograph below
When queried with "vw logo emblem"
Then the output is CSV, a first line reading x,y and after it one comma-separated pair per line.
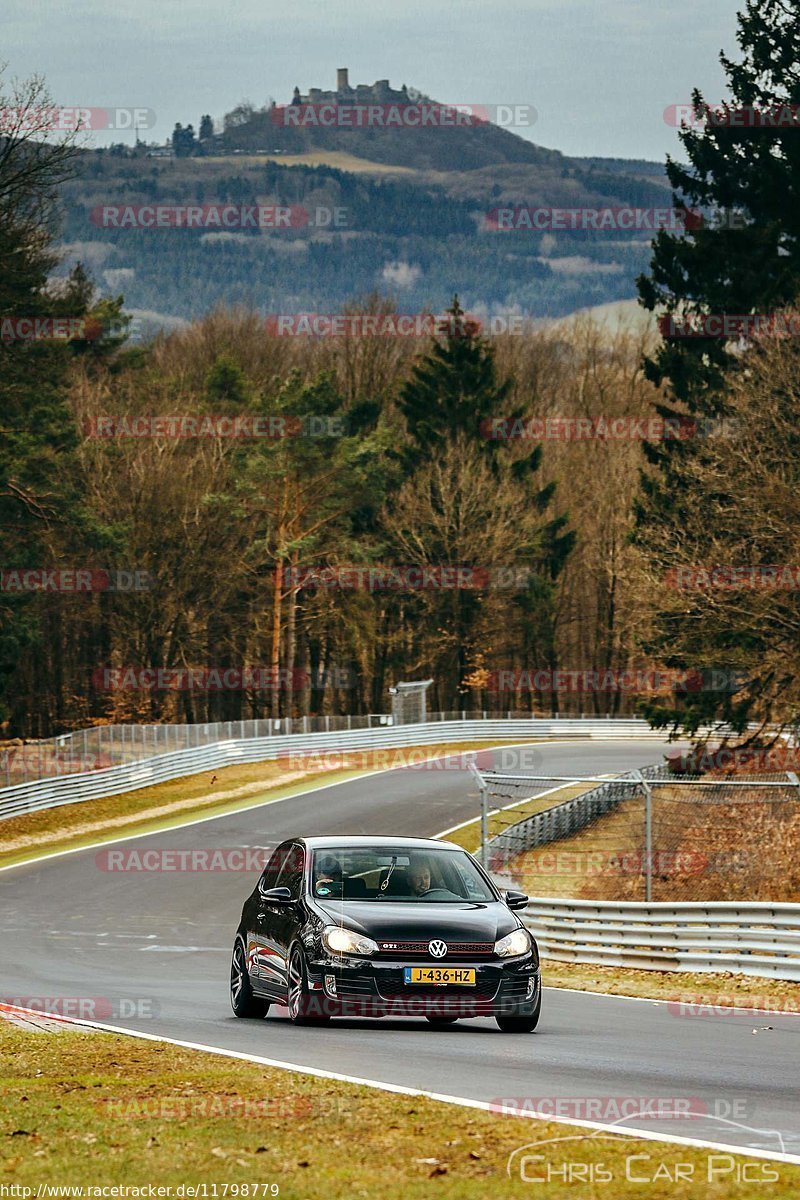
x,y
437,949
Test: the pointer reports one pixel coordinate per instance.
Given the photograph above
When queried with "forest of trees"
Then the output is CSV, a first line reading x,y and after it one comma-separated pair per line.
x,y
293,563
436,227
229,534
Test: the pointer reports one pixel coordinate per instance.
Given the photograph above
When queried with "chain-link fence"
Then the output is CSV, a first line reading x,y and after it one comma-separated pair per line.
x,y
646,836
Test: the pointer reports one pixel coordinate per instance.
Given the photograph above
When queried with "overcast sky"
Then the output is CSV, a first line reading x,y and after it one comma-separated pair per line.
x,y
599,72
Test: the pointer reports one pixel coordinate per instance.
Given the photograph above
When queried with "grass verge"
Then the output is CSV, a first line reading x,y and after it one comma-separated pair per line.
x,y
714,989
208,793
96,1109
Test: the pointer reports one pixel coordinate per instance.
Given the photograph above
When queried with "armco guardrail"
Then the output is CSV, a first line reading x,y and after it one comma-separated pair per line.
x,y
70,789
751,939
105,746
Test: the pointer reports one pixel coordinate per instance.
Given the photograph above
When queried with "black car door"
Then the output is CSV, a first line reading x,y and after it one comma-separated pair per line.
x,y
285,918
266,971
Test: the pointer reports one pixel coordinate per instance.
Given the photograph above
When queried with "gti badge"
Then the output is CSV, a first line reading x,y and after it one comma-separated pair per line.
x,y
437,949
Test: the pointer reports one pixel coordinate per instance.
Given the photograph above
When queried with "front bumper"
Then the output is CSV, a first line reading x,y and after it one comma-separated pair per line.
x,y
376,987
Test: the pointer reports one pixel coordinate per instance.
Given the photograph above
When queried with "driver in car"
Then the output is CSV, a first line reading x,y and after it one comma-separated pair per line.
x,y
419,876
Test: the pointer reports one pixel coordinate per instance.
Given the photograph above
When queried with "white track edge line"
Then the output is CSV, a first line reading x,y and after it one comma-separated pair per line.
x,y
441,1097
505,808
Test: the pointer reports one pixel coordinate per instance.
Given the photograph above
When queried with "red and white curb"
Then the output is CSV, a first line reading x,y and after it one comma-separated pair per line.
x,y
32,1020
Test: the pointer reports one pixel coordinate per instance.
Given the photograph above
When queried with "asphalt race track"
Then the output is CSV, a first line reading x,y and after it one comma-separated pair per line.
x,y
157,946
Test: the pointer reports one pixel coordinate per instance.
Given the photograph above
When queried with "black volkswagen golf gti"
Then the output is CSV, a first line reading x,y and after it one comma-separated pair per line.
x,y
379,926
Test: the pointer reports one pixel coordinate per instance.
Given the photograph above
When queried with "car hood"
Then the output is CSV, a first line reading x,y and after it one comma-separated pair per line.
x,y
404,921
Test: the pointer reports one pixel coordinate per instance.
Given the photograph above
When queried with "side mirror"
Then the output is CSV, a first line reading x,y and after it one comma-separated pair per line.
x,y
516,900
280,895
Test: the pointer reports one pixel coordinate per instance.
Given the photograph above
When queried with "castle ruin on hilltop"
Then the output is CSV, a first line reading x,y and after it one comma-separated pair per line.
x,y
363,93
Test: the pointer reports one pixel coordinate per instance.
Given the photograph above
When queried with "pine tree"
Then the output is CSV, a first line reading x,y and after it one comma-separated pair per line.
x,y
41,507
743,176
451,397
745,255
454,387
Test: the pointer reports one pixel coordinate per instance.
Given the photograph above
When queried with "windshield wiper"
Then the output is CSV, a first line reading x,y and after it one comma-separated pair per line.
x,y
385,883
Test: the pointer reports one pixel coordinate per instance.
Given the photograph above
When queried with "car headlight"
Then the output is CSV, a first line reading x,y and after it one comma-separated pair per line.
x,y
513,944
345,941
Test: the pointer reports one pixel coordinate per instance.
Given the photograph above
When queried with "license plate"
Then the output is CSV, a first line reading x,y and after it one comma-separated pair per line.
x,y
440,976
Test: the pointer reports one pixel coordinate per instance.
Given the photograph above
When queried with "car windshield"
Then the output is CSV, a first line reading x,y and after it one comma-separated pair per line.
x,y
401,875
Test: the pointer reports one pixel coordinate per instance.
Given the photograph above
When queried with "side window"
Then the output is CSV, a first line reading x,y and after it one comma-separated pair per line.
x,y
273,868
291,874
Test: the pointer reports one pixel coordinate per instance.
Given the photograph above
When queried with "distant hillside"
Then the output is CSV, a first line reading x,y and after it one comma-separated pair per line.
x,y
425,147
639,167
415,224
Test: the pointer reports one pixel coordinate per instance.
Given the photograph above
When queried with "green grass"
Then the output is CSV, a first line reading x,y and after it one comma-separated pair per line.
x,y
102,1110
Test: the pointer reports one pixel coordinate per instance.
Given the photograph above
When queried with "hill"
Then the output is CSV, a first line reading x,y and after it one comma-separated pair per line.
x,y
413,222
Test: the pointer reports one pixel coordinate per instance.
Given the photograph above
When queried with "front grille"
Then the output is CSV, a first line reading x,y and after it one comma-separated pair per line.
x,y
464,950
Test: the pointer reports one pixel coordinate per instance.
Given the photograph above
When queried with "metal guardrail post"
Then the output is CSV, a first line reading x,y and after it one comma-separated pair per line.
x,y
484,826
484,794
648,836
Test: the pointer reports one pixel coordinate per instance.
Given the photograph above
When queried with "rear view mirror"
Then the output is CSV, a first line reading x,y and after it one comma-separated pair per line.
x,y
516,900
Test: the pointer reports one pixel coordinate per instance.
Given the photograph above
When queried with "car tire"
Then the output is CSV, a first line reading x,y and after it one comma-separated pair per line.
x,y
441,1020
243,1002
521,1021
304,1008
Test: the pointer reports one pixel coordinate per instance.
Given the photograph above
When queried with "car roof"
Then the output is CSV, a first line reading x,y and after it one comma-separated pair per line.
x,y
341,841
